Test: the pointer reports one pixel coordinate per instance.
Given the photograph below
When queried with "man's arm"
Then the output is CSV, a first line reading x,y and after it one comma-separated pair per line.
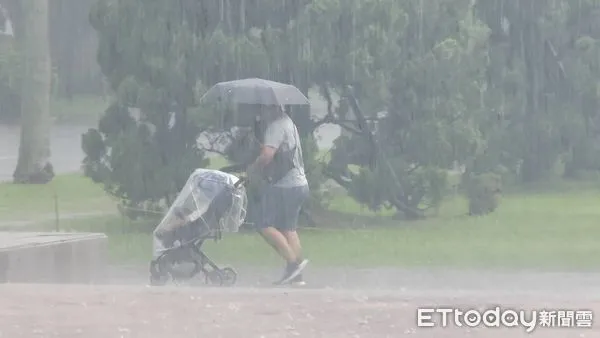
x,y
274,136
265,157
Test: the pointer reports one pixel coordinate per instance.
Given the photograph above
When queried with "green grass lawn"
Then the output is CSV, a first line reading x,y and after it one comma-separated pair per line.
x,y
528,232
74,194
543,230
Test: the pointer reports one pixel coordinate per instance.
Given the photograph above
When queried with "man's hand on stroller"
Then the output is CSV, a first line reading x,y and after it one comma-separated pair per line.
x,y
234,168
255,180
241,182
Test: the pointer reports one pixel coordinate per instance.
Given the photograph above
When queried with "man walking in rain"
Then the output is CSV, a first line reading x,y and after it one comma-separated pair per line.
x,y
281,165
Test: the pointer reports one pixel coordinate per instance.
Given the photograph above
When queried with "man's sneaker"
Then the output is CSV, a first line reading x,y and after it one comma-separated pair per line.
x,y
298,281
292,271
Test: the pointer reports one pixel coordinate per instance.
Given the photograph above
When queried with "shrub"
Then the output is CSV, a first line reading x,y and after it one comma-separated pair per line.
x,y
483,192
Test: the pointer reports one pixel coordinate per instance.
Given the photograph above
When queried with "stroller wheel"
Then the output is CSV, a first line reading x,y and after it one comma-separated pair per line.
x,y
229,276
156,277
181,273
222,277
214,277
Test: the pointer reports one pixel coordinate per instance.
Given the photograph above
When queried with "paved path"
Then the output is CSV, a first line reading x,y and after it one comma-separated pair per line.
x,y
418,281
66,153
128,311
378,302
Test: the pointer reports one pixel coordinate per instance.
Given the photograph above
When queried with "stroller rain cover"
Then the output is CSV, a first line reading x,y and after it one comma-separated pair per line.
x,y
203,189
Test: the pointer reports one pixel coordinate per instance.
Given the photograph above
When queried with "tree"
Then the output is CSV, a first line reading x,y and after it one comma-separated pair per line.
x,y
407,70
541,87
581,65
145,146
72,46
10,70
500,87
159,58
34,150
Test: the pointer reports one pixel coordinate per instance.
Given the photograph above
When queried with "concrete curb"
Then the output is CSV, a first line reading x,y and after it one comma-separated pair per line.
x,y
33,257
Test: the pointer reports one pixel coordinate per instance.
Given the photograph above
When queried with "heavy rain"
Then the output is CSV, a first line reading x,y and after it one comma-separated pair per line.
x,y
299,168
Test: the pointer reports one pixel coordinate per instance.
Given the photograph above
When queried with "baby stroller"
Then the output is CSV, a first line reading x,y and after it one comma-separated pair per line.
x,y
210,203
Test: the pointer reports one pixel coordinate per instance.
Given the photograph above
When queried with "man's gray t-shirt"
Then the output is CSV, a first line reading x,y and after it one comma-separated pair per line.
x,y
282,133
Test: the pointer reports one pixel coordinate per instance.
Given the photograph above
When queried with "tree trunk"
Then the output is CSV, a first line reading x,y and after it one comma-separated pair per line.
x,y
34,165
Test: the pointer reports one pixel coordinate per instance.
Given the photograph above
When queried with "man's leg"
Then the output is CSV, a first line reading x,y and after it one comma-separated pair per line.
x,y
293,201
271,214
294,265
279,242
293,241
277,219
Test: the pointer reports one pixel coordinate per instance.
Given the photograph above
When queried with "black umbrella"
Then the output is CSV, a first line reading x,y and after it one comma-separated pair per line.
x,y
256,91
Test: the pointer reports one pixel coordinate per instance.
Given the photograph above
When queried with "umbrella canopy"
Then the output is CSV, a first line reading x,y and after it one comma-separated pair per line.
x,y
256,91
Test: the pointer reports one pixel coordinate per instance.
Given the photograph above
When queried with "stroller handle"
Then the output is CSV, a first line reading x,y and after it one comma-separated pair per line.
x,y
234,168
240,182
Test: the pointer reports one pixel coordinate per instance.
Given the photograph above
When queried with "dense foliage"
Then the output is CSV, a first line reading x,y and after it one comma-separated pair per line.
x,y
483,192
500,87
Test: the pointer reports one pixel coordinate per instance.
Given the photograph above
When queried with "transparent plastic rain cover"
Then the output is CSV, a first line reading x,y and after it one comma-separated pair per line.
x,y
204,187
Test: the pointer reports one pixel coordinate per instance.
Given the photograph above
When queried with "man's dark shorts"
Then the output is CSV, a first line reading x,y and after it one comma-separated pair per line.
x,y
280,207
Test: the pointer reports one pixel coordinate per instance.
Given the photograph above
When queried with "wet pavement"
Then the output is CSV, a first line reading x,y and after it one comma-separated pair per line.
x,y
65,147
424,281
129,311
